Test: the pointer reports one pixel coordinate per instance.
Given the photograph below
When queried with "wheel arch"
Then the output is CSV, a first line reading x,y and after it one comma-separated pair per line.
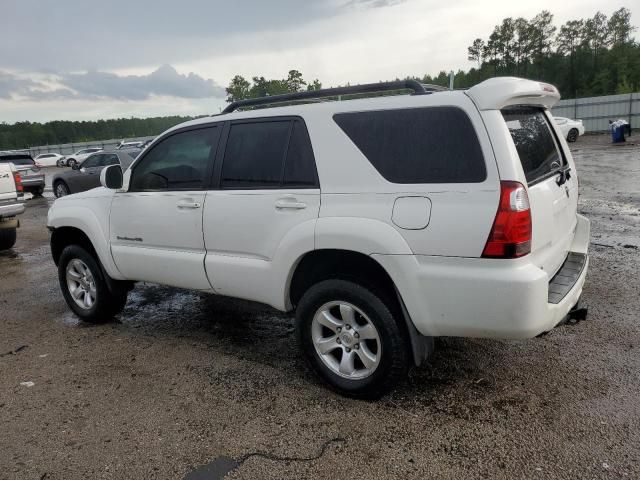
x,y
69,224
323,264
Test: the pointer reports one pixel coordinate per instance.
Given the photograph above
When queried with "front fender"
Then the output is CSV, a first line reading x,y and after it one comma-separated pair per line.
x,y
92,218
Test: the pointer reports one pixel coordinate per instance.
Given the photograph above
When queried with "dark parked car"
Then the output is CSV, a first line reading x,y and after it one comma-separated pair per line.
x,y
86,175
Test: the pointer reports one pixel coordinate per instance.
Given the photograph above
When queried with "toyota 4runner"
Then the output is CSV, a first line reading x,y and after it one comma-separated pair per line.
x,y
382,222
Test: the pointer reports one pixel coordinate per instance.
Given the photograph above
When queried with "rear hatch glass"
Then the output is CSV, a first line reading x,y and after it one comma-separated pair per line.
x,y
538,150
553,202
18,160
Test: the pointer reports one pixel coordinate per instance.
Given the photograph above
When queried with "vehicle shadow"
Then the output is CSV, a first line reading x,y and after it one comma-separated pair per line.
x,y
260,334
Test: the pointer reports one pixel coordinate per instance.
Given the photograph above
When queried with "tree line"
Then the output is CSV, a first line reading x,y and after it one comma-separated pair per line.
x,y
584,57
27,134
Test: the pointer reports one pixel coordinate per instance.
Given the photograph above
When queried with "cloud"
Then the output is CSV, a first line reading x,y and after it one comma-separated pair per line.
x,y
165,81
11,84
373,3
96,85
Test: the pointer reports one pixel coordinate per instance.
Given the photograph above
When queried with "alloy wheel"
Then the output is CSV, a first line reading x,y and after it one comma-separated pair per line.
x,y
346,340
81,284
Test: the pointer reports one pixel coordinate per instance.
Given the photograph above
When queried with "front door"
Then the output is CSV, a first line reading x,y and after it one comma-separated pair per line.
x,y
156,225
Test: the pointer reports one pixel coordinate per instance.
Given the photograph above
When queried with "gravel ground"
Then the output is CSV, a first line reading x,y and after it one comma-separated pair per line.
x,y
183,379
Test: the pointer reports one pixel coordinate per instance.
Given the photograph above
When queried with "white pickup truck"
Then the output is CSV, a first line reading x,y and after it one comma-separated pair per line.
x,y
11,204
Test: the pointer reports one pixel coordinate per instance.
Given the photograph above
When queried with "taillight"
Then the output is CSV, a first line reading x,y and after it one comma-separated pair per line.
x,y
510,235
18,180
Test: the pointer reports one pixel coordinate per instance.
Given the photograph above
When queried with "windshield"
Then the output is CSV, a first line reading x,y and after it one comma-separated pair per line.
x,y
535,142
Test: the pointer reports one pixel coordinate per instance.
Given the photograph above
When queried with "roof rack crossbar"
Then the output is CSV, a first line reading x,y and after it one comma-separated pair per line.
x,y
417,87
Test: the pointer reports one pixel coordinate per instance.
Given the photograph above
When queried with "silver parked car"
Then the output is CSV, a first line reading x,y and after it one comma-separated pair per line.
x,y
30,173
79,156
86,175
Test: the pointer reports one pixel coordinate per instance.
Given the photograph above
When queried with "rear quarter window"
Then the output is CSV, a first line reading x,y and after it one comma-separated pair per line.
x,y
417,145
539,152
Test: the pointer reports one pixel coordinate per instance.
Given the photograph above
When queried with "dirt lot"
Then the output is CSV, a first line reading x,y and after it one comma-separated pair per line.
x,y
183,379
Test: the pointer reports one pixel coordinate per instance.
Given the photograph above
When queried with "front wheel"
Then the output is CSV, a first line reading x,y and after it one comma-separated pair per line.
x,y
351,339
60,189
84,286
7,238
573,135
71,162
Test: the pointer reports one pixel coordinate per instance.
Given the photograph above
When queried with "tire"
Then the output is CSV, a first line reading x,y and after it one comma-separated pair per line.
x,y
391,347
71,162
38,192
60,163
7,238
79,271
60,189
573,134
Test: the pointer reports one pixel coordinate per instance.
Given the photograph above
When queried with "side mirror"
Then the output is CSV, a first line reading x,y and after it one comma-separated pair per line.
x,y
111,177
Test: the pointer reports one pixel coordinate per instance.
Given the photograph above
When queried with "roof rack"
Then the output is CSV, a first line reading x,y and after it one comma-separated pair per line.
x,y
417,87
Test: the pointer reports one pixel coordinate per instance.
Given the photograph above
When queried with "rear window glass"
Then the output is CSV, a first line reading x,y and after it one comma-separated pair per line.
x,y
418,145
534,141
17,159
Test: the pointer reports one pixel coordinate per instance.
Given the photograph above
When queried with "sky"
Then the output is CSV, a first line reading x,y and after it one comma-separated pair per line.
x,y
93,59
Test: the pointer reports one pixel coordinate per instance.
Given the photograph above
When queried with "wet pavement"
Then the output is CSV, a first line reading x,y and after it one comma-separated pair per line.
x,y
187,384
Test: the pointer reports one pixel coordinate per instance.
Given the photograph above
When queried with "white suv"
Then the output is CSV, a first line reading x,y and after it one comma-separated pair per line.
x,y
382,222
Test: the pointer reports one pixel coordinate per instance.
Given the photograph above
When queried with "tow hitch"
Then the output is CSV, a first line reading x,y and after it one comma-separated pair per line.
x,y
576,314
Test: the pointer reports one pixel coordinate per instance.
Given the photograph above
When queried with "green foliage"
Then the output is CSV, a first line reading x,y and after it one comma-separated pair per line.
x,y
240,88
593,56
27,134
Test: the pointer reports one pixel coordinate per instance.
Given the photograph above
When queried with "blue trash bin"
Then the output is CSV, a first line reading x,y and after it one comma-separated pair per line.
x,y
617,133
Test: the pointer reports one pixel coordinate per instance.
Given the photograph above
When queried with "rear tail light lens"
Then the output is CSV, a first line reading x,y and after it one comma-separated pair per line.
x,y
18,180
510,236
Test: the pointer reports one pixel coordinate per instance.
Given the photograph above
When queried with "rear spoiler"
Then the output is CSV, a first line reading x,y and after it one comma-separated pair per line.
x,y
500,92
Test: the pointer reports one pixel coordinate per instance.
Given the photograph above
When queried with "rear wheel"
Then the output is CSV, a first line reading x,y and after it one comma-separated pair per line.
x,y
60,163
85,289
37,192
572,136
7,238
351,339
71,162
60,189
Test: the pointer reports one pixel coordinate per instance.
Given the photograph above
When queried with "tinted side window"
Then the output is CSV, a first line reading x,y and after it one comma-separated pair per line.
x,y
254,154
110,159
93,161
300,166
418,145
179,162
534,141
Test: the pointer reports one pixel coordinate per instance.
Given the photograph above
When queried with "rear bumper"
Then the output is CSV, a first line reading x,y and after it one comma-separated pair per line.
x,y
11,210
476,297
33,181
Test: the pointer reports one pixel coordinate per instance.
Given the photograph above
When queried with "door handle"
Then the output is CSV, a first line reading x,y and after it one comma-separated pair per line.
x,y
189,205
290,203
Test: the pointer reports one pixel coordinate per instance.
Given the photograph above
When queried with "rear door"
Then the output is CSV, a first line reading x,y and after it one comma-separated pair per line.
x,y
265,191
552,184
